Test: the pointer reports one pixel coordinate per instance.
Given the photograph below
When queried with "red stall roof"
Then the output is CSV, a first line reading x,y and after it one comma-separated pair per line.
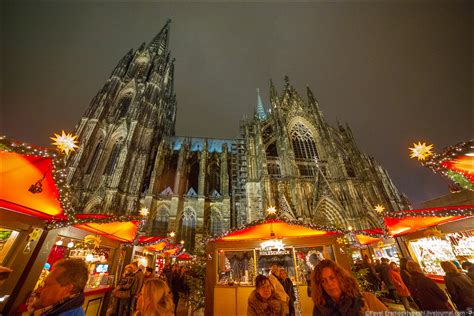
x,y
121,231
369,236
408,221
18,172
280,229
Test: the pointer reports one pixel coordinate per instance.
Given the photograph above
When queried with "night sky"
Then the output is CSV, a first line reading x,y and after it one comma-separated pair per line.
x,y
396,72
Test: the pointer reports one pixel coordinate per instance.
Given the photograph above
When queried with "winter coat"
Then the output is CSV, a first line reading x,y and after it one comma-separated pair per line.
x,y
280,293
279,289
461,289
137,286
470,272
400,286
260,307
428,294
385,275
406,277
71,306
348,306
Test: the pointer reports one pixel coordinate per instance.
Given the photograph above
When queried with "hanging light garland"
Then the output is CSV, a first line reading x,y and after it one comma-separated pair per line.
x,y
275,217
455,162
463,210
148,243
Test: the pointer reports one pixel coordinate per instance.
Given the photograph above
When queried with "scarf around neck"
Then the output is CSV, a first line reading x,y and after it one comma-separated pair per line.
x,y
70,302
347,306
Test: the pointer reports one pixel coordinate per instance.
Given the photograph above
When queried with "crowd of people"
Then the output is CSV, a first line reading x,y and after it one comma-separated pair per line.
x,y
134,286
409,285
334,290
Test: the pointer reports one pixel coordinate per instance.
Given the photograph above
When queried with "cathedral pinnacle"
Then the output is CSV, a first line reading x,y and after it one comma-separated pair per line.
x,y
260,109
160,41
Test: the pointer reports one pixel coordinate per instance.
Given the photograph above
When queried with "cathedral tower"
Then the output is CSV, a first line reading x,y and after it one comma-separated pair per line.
x,y
122,129
310,170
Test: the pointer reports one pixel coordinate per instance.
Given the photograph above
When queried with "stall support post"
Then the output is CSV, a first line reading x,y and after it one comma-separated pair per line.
x,y
402,247
211,277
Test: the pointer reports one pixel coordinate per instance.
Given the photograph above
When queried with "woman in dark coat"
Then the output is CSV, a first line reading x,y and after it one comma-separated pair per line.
x,y
429,296
460,286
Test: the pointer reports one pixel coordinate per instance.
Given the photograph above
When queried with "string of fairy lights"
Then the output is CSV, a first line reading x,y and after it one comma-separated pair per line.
x,y
66,143
454,162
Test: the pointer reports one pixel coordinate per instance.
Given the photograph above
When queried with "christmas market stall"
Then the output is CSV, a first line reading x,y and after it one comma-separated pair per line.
x,y
104,242
236,257
433,235
38,225
33,191
375,243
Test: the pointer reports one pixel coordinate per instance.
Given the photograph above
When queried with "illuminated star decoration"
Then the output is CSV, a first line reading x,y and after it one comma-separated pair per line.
x,y
65,142
421,151
340,240
92,239
143,211
379,209
271,210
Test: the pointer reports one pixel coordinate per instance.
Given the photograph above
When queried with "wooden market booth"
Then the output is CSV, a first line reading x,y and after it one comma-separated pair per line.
x,y
38,224
236,258
31,194
436,234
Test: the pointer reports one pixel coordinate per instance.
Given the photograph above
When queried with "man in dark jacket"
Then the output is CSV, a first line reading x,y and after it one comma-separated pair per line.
x,y
63,290
429,296
460,287
288,286
138,283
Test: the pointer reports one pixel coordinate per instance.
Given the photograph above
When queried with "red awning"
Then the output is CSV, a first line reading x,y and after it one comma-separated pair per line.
x,y
279,228
369,236
412,220
121,231
184,256
18,172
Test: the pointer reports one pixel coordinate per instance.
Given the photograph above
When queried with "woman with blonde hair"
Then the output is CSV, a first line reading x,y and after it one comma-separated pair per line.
x,y
460,286
155,299
336,292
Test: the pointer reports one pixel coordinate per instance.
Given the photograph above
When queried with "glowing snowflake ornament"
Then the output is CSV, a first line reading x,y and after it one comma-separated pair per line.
x,y
421,151
65,142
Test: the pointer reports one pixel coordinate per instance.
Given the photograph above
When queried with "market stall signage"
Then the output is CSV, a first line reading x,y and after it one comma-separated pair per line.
x,y
274,252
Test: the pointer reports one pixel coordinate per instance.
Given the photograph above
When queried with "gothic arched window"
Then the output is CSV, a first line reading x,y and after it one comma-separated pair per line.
x,y
304,146
271,150
213,178
113,158
349,167
160,224
188,227
95,157
215,226
193,177
124,103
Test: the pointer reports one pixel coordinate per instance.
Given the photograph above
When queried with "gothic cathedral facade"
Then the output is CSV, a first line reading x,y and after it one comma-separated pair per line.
x,y
287,156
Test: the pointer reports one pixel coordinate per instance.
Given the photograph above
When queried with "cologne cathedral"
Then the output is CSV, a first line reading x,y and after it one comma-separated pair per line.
x,y
287,156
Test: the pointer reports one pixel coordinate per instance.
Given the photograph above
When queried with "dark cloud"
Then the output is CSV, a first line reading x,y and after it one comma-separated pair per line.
x,y
396,72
